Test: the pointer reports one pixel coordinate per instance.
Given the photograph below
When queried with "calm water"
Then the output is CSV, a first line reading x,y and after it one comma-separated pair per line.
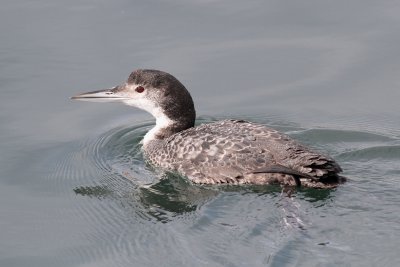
x,y
74,189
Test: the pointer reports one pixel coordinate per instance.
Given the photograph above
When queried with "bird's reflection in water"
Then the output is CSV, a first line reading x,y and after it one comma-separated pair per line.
x,y
173,195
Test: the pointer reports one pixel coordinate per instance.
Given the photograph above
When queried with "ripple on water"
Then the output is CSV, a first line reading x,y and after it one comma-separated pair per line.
x,y
111,168
135,209
373,153
334,136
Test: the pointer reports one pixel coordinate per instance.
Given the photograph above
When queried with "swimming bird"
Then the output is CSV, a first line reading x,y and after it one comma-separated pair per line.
x,y
222,152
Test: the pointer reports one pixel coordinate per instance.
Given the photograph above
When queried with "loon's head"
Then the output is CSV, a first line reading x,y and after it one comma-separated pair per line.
x,y
156,92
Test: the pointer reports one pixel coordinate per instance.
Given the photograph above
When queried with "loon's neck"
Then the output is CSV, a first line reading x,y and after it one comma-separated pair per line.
x,y
165,127
163,123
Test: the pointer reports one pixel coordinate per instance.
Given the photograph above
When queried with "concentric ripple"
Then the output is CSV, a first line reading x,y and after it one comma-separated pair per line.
x,y
118,151
131,209
121,172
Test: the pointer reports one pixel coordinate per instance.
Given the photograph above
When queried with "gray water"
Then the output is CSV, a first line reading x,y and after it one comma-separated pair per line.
x,y
74,188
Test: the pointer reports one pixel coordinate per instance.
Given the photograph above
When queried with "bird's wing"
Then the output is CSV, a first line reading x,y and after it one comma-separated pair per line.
x,y
225,151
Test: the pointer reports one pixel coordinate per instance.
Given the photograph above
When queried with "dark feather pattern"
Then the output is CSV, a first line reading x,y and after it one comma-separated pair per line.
x,y
231,152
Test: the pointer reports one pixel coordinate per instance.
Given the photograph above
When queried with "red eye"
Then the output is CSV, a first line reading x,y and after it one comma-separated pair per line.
x,y
139,89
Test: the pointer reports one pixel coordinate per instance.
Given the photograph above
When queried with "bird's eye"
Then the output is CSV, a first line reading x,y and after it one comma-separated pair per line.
x,y
139,89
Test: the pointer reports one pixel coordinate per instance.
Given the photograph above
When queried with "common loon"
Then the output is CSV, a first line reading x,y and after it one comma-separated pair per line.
x,y
223,152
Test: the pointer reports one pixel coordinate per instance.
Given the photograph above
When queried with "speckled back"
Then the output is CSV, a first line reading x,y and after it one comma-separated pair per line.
x,y
228,151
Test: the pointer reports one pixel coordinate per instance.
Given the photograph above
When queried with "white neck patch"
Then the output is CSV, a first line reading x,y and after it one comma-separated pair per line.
x,y
162,121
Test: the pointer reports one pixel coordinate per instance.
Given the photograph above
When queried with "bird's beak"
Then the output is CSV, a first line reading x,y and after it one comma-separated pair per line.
x,y
117,93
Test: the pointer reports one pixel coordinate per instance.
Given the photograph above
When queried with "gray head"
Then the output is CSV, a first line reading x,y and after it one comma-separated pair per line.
x,y
157,92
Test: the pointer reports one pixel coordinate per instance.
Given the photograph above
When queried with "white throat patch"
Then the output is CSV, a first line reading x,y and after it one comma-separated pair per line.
x,y
144,103
161,123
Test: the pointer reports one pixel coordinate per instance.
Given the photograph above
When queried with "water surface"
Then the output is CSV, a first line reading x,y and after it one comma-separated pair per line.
x,y
76,191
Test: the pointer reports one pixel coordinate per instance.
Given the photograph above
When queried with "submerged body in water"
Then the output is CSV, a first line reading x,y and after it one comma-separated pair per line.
x,y
223,152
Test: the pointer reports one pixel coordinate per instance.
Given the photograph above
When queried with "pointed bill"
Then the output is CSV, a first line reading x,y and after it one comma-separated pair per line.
x,y
107,95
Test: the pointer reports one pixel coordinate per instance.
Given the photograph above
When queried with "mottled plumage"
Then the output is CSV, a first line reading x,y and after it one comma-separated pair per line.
x,y
230,151
224,152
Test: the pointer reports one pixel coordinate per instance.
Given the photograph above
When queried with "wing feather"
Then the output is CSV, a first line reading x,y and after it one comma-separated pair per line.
x,y
224,151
